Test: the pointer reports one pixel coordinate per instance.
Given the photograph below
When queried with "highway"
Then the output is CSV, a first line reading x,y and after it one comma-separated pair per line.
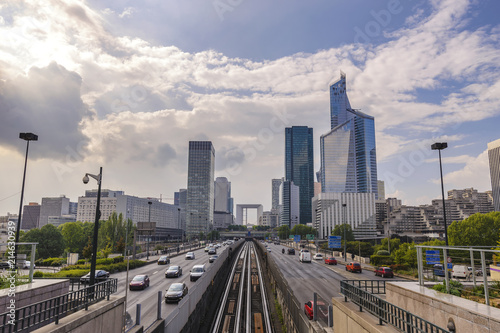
x,y
148,297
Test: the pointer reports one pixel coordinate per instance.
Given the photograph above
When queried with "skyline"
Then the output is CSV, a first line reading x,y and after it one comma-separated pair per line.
x,y
127,86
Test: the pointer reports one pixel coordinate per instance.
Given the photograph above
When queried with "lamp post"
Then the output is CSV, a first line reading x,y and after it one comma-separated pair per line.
x,y
28,137
96,224
149,226
440,146
345,240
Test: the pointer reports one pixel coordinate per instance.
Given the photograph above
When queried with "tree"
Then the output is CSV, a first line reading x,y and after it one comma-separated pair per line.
x,y
283,232
339,231
73,236
50,241
302,230
476,230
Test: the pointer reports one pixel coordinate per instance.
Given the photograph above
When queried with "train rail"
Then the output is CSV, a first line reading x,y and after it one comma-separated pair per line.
x,y
244,306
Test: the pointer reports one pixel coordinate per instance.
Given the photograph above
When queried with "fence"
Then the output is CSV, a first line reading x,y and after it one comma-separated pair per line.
x,y
42,313
386,312
477,265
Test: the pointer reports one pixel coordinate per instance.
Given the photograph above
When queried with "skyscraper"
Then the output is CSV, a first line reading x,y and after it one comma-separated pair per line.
x,y
299,166
494,158
276,183
290,204
348,151
222,195
200,189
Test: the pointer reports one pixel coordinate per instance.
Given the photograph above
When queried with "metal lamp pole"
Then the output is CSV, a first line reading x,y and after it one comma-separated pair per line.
x,y
149,226
440,146
345,240
96,224
28,137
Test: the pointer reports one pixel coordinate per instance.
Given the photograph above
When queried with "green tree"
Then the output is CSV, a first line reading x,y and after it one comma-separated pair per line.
x,y
87,250
339,231
302,230
476,230
395,243
283,232
50,241
73,236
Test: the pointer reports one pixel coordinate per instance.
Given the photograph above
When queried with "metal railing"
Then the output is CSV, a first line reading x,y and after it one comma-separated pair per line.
x,y
386,312
51,310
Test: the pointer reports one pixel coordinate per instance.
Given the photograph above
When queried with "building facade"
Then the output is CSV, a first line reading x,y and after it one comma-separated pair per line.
x,y
53,207
222,195
290,204
348,150
358,212
276,183
299,166
31,216
494,159
200,189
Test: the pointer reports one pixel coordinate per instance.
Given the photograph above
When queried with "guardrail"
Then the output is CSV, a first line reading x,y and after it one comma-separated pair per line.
x,y
386,312
51,310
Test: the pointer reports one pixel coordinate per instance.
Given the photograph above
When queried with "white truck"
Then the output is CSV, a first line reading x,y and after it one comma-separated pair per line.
x,y
305,256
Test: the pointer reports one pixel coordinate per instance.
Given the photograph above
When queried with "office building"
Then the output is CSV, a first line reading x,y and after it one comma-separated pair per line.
x,y
494,158
222,201
53,207
381,189
290,204
200,189
87,205
358,212
222,220
31,216
299,166
270,219
276,183
348,150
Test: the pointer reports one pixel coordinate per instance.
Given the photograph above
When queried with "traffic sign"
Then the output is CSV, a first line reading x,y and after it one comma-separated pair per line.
x,y
334,242
291,236
296,238
449,265
310,237
448,260
432,257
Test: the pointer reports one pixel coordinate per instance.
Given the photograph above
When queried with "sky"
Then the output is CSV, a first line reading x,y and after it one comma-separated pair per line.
x,y
125,85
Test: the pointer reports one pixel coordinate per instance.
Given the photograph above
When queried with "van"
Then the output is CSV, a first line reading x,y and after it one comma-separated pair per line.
x,y
196,272
305,256
461,271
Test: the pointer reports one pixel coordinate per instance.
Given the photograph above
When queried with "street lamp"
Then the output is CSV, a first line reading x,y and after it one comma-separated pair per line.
x,y
149,226
440,146
96,224
345,240
28,137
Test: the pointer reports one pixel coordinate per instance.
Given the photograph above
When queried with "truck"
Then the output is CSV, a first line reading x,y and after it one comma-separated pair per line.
x,y
305,256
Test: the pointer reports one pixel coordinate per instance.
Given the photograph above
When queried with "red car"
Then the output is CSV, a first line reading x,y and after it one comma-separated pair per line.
x,y
353,267
322,310
139,282
384,272
331,261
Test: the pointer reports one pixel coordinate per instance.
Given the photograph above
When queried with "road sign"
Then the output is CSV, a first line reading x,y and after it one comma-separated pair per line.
x,y
296,238
291,237
449,265
310,237
448,260
334,242
432,257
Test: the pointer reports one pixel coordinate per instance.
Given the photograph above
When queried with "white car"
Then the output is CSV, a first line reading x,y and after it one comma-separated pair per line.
x,y
27,264
190,256
318,256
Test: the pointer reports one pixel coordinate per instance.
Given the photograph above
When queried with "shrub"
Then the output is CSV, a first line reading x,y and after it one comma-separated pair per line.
x,y
38,274
455,288
81,262
378,260
383,253
105,261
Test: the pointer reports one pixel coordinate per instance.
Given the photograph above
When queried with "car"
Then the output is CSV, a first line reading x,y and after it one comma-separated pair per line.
x,y
139,282
461,271
353,267
213,258
438,270
384,272
322,310
196,272
318,256
176,292
163,260
173,271
190,256
207,248
291,251
100,276
27,264
330,261
212,250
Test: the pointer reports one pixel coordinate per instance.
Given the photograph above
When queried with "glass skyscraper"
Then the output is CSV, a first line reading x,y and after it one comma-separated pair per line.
x,y
494,159
299,166
200,190
348,151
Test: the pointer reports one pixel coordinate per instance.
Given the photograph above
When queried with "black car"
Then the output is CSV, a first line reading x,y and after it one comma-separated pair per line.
x,y
139,282
176,292
173,271
100,276
163,260
291,251
4,265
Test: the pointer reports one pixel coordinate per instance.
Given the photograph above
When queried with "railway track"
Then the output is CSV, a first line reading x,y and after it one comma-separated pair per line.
x,y
244,306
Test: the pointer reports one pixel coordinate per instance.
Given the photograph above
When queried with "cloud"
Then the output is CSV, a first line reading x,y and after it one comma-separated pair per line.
x,y
46,102
468,176
127,12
